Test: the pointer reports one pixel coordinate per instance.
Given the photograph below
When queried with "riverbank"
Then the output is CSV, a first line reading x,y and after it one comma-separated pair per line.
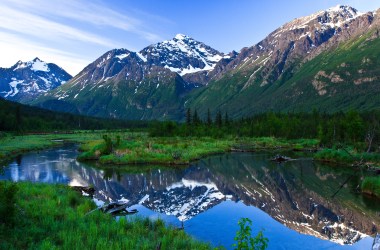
x,y
139,148
349,156
54,217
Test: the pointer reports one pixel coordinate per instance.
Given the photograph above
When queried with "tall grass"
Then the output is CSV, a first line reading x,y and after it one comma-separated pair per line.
x,y
371,185
54,217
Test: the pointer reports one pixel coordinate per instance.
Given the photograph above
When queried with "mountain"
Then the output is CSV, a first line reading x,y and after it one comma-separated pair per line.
x,y
137,85
327,61
27,80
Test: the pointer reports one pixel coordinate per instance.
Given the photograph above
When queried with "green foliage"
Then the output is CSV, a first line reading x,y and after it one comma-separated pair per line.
x,y
371,185
244,239
8,193
351,128
22,119
108,145
11,146
157,150
52,219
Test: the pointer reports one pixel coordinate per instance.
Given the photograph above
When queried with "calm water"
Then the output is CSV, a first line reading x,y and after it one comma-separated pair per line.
x,y
300,204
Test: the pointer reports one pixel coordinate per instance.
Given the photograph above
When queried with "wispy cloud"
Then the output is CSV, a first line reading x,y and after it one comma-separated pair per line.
x,y
94,13
69,32
33,25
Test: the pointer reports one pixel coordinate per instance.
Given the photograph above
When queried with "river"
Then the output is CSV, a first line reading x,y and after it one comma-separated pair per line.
x,y
299,204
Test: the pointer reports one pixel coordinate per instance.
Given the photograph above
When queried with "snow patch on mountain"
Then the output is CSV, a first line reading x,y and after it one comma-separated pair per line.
x,y
122,56
38,65
141,57
14,90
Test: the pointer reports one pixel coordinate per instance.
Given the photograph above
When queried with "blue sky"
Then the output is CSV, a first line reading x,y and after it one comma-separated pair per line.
x,y
73,33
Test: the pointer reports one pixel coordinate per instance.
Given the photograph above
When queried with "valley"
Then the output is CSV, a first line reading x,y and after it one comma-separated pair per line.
x,y
283,133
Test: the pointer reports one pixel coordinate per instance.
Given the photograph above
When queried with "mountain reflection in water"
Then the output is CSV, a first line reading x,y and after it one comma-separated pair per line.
x,y
298,194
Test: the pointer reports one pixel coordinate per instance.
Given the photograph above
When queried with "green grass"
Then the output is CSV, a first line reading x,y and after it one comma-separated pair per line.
x,y
13,145
54,217
371,185
178,150
348,156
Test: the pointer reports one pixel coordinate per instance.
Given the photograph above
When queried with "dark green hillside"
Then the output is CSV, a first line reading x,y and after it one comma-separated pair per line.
x,y
343,78
23,118
147,100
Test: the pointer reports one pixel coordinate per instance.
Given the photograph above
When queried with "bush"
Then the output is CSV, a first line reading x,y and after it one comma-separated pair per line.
x,y
245,240
7,202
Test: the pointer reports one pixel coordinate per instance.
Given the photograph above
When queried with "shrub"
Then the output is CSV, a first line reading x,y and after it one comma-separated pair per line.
x,y
108,148
245,240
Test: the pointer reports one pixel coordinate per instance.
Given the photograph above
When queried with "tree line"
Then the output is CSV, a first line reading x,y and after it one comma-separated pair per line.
x,y
354,128
20,118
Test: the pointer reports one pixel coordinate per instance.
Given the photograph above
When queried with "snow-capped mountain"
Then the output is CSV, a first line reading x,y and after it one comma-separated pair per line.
x,y
295,41
263,77
183,55
137,85
26,80
157,82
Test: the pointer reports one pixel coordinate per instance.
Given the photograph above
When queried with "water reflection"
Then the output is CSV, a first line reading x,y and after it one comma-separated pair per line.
x,y
302,195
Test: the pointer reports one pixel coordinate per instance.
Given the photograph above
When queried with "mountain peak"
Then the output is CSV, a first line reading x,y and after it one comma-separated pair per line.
x,y
37,60
181,37
342,8
38,65
183,55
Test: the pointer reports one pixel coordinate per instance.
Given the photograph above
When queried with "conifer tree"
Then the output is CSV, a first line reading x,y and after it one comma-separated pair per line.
x,y
226,119
188,117
218,119
209,120
196,120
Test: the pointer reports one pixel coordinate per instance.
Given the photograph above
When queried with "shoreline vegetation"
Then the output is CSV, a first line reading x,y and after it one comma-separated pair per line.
x,y
125,148
30,212
141,149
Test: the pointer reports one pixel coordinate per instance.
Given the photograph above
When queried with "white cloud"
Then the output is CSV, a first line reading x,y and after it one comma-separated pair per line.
x,y
26,50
